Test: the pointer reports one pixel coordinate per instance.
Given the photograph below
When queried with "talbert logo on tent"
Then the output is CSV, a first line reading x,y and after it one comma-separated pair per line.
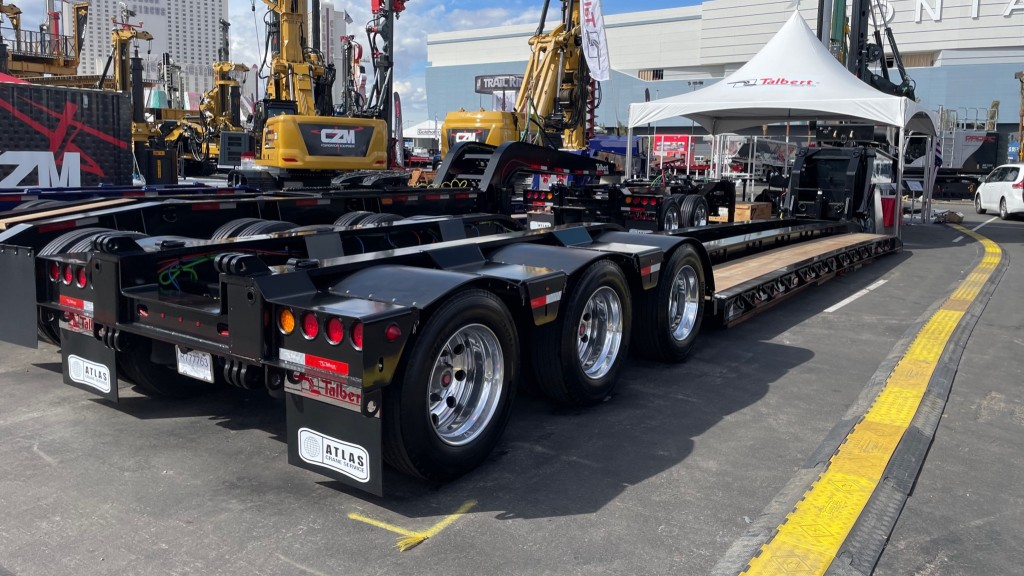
x,y
779,81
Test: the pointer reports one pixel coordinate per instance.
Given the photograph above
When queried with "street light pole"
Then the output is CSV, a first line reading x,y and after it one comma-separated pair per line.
x,y
693,84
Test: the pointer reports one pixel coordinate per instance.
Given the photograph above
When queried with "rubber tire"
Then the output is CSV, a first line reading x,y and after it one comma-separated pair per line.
x,y
977,204
1003,214
410,443
381,219
692,204
230,228
655,341
672,205
352,218
38,203
153,379
555,363
266,227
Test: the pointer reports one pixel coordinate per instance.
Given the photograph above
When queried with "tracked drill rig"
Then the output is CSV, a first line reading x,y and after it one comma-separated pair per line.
x,y
553,102
298,139
198,137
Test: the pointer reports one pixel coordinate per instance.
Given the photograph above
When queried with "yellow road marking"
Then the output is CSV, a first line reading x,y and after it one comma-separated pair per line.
x,y
812,534
412,538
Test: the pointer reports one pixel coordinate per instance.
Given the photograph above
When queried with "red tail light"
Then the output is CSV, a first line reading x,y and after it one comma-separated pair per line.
x,y
54,272
1019,185
335,331
310,327
393,333
67,275
357,336
81,278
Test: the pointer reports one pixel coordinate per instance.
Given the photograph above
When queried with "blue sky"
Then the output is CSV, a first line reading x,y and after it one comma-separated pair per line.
x,y
421,17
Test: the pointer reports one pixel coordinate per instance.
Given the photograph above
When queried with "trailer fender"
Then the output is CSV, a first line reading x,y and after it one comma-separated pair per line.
x,y
668,244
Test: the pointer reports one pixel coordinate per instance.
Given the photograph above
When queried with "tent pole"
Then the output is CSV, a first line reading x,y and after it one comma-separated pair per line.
x,y
899,186
629,152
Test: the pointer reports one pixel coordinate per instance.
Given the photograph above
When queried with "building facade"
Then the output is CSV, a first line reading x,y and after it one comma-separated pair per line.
x,y
962,54
188,30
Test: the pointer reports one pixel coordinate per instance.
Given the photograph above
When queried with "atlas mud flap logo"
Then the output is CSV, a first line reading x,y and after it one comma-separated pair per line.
x,y
44,164
338,137
343,457
89,373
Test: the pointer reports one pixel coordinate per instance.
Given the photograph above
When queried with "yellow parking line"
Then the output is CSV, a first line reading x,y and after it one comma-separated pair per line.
x,y
411,538
812,534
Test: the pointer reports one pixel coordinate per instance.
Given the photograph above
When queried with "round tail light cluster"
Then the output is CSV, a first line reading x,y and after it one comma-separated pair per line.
x,y
68,274
333,328
539,196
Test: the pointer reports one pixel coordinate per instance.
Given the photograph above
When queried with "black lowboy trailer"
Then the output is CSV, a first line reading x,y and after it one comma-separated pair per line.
x,y
401,341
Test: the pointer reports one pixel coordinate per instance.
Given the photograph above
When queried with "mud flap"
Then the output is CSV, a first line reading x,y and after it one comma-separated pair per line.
x,y
88,364
18,293
339,443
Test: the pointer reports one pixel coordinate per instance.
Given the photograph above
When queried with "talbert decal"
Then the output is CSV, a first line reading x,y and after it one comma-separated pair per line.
x,y
772,82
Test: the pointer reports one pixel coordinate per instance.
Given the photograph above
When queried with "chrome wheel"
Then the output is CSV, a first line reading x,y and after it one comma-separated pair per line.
x,y
466,384
671,219
700,215
683,303
599,335
1003,213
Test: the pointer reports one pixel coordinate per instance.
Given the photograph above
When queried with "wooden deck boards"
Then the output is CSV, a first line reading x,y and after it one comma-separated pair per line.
x,y
734,273
6,222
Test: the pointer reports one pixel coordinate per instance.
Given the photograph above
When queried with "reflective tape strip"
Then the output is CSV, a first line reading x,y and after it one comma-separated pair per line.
x,y
648,270
813,533
312,361
545,300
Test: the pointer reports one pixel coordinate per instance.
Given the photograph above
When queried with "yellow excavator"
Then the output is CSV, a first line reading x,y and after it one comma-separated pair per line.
x,y
553,102
298,139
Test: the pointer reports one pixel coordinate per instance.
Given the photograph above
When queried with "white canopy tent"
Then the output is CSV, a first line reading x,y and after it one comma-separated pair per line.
x,y
793,78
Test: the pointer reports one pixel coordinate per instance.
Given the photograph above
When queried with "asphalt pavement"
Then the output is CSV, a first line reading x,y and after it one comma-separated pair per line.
x,y
665,477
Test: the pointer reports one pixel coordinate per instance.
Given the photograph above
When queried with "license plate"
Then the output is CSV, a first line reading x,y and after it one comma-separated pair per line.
x,y
639,231
195,364
537,225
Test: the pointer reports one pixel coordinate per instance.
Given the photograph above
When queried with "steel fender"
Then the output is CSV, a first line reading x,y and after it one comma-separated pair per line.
x,y
566,259
18,293
668,244
402,285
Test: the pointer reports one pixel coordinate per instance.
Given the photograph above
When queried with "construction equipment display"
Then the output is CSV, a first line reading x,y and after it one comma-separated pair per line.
x,y
46,52
198,138
298,140
554,102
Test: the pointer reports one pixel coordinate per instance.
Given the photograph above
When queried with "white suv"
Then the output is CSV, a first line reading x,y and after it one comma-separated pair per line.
x,y
1003,190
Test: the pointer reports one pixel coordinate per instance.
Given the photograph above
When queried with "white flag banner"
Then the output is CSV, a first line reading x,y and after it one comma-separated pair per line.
x,y
595,43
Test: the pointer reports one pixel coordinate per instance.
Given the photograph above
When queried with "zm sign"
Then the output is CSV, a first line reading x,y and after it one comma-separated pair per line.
x,y
498,83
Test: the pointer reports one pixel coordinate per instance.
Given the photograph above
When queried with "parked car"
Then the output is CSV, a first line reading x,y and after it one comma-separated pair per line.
x,y
1002,190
